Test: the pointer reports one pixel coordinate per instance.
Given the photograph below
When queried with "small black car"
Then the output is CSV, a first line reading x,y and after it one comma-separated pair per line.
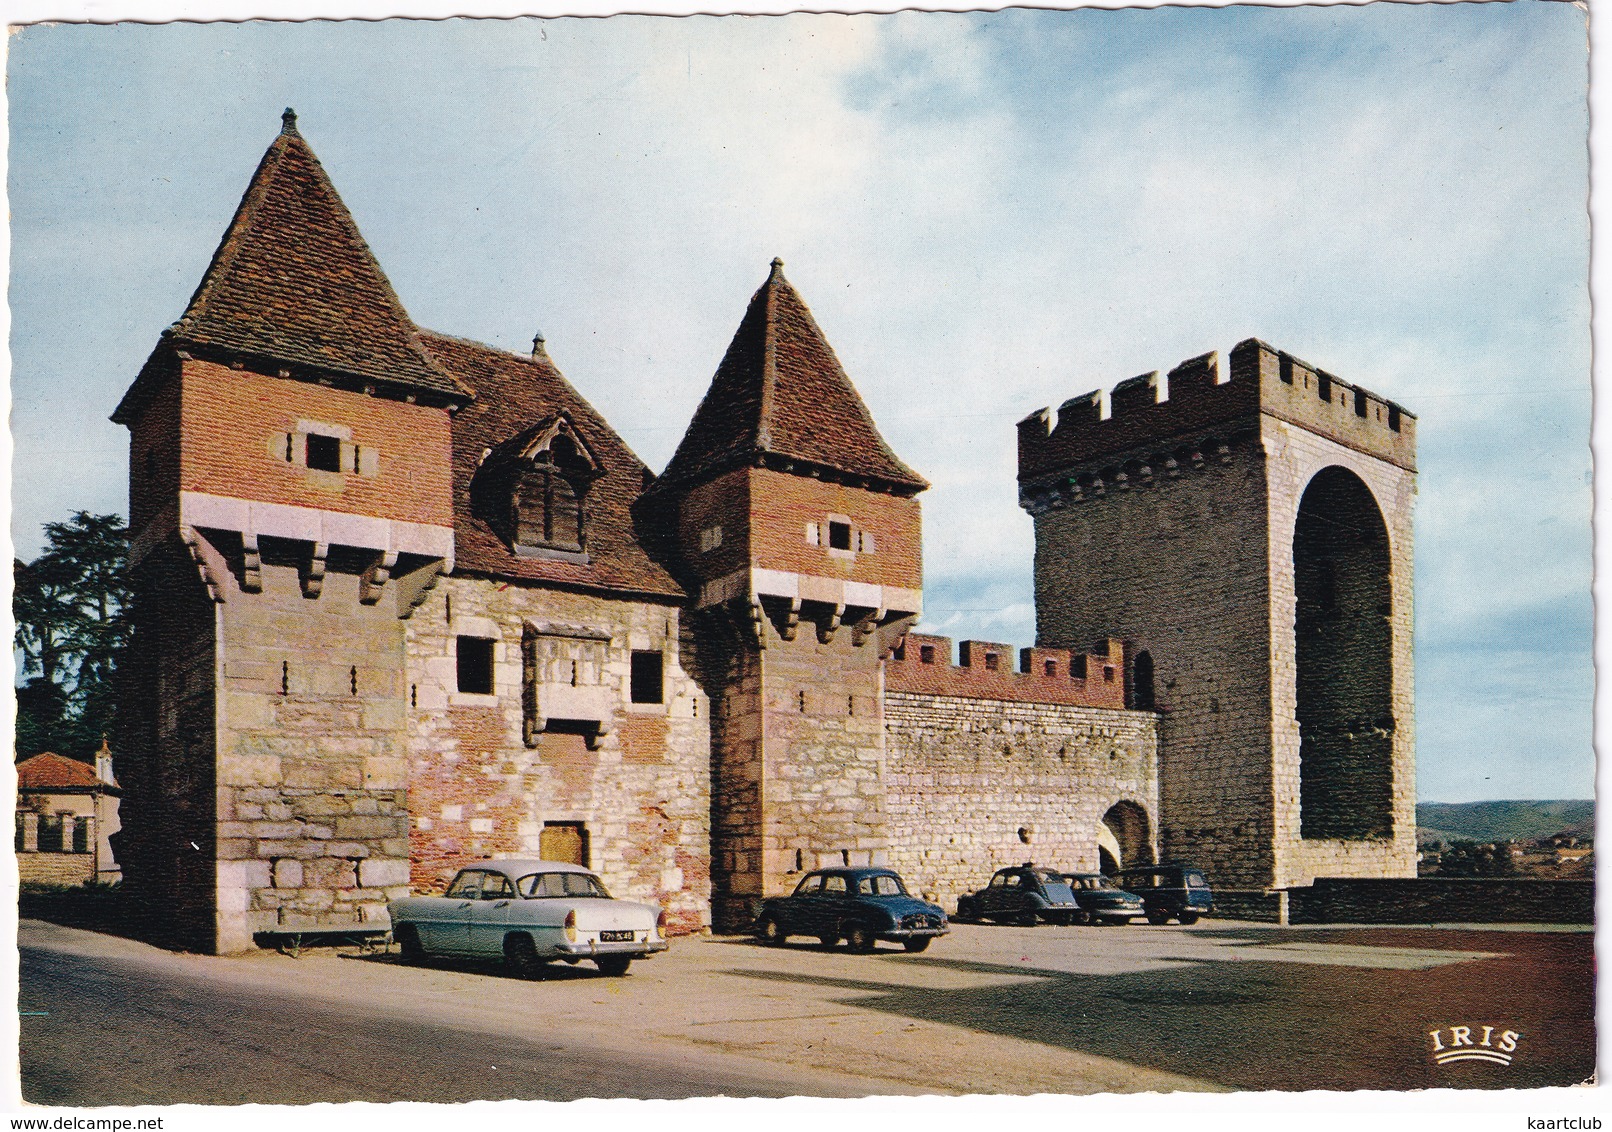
x,y
1102,901
858,905
1170,892
1022,894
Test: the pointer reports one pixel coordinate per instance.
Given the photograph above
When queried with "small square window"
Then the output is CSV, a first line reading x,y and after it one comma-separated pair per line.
x,y
926,654
839,536
648,678
476,665
991,662
1051,668
324,453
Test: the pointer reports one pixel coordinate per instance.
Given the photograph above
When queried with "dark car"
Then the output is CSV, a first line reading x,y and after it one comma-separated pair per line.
x,y
1178,892
860,906
1022,894
1102,901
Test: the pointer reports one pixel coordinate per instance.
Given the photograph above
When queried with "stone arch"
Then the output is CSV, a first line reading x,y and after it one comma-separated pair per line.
x,y
1344,649
1129,837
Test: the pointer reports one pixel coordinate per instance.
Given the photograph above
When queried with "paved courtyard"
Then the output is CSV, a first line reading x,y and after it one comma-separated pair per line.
x,y
987,1009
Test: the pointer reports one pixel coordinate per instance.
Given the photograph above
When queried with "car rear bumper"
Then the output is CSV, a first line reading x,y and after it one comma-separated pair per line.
x,y
896,935
584,949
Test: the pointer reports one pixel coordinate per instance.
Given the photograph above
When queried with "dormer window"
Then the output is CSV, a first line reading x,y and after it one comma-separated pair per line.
x,y
533,490
324,453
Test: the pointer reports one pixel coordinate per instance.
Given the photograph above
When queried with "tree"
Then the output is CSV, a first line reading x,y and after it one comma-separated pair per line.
x,y
69,605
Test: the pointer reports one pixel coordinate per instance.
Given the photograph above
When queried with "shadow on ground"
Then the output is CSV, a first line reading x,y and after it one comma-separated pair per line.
x,y
1249,1023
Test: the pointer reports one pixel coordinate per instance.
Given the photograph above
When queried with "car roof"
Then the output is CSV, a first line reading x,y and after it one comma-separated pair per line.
x,y
857,871
520,867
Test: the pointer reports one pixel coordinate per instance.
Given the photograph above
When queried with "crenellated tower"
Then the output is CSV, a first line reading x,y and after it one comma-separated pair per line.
x,y
797,532
1249,535
291,503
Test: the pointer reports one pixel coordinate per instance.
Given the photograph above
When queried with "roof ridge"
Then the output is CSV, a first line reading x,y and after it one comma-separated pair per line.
x,y
769,354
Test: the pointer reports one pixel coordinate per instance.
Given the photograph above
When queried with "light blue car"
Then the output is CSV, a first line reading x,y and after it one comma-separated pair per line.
x,y
529,913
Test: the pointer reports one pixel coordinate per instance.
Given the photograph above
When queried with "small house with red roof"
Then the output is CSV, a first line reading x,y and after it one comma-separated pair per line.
x,y
66,812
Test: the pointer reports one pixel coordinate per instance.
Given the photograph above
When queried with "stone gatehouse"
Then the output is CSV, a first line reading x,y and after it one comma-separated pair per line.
x,y
403,600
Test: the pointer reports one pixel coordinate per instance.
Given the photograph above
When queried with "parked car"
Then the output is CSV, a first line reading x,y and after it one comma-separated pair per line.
x,y
1169,892
858,905
530,913
1102,901
1022,894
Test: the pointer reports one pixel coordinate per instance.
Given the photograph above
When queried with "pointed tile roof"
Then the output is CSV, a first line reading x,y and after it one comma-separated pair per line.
x,y
293,281
781,392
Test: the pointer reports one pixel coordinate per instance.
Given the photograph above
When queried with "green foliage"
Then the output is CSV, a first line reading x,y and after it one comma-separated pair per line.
x,y
1469,859
70,608
1504,820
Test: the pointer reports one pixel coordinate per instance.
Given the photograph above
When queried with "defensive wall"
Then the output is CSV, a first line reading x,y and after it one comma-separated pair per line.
x,y
987,767
1194,515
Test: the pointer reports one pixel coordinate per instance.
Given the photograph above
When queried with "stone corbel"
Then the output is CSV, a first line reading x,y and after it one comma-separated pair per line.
x,y
313,575
210,564
894,632
414,587
791,620
251,564
757,621
863,629
827,629
376,577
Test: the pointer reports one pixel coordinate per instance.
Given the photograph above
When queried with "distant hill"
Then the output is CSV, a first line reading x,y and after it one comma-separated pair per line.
x,y
1503,821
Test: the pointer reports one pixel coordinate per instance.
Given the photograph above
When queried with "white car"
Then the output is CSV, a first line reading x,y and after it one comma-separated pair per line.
x,y
529,912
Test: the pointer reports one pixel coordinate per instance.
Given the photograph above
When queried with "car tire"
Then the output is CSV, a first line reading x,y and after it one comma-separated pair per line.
x,y
860,938
1158,919
1187,918
614,965
915,945
1026,918
520,956
408,944
770,933
827,941
967,910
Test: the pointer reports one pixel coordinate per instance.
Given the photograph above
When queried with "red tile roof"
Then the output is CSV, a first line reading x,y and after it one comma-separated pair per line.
x,y
293,282
780,391
49,771
514,393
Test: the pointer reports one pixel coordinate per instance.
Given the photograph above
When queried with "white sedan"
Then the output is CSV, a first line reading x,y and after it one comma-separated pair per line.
x,y
529,912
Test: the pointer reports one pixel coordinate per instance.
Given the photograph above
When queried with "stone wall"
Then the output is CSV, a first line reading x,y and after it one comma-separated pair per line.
x,y
312,799
1445,900
632,778
976,784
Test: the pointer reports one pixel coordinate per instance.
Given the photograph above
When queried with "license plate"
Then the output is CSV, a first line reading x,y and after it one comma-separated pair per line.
x,y
615,937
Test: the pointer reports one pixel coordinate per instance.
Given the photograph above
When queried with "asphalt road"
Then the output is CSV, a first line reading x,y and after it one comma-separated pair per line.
x,y
986,1010
99,1031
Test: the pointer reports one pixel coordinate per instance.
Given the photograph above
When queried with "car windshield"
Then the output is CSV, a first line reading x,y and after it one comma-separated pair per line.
x,y
1090,882
1051,878
1195,880
884,884
543,886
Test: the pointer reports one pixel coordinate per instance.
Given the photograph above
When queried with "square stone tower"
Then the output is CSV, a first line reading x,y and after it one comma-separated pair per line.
x,y
1249,535
291,502
795,527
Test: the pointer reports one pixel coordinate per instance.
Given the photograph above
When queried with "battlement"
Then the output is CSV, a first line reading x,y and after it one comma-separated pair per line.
x,y
923,665
1197,397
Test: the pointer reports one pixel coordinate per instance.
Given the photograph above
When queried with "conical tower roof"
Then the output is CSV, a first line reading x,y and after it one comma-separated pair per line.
x,y
780,392
294,282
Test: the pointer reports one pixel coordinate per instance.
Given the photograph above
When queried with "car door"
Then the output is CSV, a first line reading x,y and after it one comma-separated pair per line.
x,y
489,915
1000,896
448,925
802,912
834,905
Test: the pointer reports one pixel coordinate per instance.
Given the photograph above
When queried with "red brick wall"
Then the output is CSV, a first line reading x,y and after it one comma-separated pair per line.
x,y
1103,686
763,515
230,415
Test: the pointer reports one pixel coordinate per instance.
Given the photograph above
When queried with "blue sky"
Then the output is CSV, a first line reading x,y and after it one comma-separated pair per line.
x,y
988,213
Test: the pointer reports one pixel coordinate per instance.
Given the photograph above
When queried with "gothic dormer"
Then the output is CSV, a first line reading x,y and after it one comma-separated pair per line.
x,y
533,490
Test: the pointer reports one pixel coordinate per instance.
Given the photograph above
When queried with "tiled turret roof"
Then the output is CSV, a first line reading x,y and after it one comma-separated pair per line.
x,y
294,282
781,392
